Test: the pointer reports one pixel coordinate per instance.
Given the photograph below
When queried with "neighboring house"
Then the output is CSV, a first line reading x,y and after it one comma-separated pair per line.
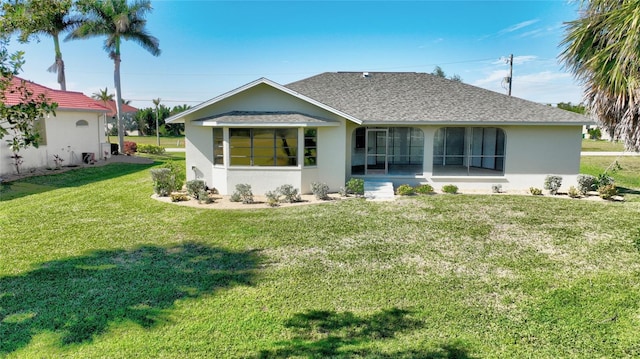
x,y
78,127
400,127
128,112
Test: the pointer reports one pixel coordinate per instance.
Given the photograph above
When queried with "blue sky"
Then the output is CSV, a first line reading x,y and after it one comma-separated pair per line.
x,y
211,47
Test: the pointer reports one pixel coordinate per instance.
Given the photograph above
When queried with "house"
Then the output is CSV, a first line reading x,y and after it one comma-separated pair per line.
x,y
77,128
399,127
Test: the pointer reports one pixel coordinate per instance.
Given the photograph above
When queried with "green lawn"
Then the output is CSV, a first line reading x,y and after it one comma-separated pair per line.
x,y
602,146
92,267
165,141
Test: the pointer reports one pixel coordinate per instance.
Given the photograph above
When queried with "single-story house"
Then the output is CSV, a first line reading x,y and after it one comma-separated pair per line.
x,y
77,128
399,127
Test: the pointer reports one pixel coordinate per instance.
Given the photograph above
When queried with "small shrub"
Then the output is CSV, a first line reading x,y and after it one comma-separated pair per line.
x,y
405,190
604,180
586,183
203,197
179,172
343,192
424,189
496,188
179,197
152,149
450,188
355,186
235,197
535,191
164,181
289,193
244,193
130,147
595,133
320,190
573,192
194,187
273,198
607,191
552,183
58,161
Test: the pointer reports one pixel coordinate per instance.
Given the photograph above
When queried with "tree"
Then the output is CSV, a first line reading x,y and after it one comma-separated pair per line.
x,y
103,95
437,71
41,17
568,106
156,102
602,49
19,120
116,20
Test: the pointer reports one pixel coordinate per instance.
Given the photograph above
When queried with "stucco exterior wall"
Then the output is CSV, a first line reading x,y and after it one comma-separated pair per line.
x,y
63,138
199,154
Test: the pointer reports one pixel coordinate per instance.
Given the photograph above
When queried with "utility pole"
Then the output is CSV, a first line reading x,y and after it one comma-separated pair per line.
x,y
510,73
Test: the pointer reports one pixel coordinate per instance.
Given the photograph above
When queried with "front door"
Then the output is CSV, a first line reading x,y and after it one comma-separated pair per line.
x,y
376,143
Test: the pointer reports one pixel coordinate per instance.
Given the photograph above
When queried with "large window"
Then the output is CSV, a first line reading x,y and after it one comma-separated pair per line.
x,y
472,151
397,151
263,146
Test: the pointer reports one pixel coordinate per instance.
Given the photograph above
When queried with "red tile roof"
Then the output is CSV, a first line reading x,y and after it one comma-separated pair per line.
x,y
66,100
111,105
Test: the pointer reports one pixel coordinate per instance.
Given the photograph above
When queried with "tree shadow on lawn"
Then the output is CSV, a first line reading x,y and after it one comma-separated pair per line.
x,y
81,297
327,334
73,178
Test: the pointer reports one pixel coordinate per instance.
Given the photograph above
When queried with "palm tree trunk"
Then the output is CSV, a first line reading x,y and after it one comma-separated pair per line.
x,y
58,66
116,83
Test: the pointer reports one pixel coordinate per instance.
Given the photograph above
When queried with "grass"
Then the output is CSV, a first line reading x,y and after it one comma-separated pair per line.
x,y
602,146
93,267
165,141
626,176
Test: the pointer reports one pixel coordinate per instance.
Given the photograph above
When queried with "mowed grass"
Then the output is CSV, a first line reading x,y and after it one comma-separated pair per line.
x,y
165,141
93,267
602,146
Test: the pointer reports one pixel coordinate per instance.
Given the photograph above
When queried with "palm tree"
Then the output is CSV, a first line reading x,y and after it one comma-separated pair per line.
x,y
117,20
156,102
43,17
602,49
103,95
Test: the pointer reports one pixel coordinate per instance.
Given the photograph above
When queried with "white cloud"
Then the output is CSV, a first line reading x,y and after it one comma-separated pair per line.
x,y
543,87
518,26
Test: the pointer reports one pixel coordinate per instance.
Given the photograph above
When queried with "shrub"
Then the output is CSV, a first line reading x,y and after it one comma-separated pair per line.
x,y
424,189
153,149
290,193
243,193
179,197
355,186
178,170
405,190
273,198
552,183
535,191
573,192
343,192
164,181
450,188
496,188
195,186
130,147
586,183
603,180
595,133
203,197
320,190
607,191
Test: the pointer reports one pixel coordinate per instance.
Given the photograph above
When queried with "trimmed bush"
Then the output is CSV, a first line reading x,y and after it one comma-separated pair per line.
x,y
607,191
496,188
130,147
573,192
153,149
243,193
273,198
289,193
424,189
179,172
552,183
450,188
194,187
405,190
535,191
355,186
586,183
179,197
164,181
320,190
203,197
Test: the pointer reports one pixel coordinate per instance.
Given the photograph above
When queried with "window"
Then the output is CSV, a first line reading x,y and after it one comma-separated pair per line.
x,y
41,128
218,147
80,123
263,146
472,151
311,147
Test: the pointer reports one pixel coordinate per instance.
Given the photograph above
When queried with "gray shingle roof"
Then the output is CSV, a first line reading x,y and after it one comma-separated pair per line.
x,y
267,118
389,97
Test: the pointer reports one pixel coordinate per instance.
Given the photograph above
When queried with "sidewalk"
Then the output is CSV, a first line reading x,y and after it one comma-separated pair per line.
x,y
174,149
611,154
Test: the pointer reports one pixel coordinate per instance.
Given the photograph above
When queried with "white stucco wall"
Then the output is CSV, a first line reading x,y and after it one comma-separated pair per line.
x,y
199,153
63,138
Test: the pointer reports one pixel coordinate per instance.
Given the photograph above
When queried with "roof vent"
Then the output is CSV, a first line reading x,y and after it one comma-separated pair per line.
x,y
365,74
